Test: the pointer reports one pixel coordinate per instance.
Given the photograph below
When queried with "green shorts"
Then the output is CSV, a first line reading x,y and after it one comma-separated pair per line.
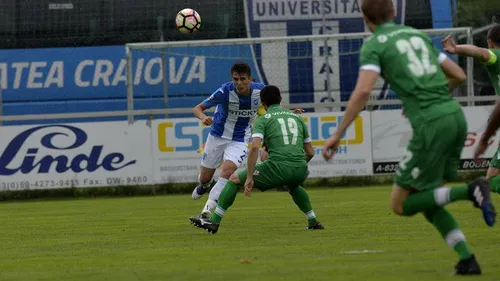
x,y
269,174
495,162
433,154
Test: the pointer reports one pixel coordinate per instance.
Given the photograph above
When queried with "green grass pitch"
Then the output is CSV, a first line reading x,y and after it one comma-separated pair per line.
x,y
261,238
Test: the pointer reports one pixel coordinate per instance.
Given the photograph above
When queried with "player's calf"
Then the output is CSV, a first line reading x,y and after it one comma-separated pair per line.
x,y
494,184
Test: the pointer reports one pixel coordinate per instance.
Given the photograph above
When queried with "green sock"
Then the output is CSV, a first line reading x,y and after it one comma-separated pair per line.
x,y
495,184
301,199
226,199
449,230
429,199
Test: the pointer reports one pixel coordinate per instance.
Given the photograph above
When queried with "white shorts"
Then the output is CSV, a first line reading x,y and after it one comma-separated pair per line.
x,y
218,150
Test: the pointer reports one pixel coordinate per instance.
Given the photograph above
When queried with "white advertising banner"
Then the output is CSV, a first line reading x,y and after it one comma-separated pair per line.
x,y
176,148
176,144
168,151
75,155
353,157
391,133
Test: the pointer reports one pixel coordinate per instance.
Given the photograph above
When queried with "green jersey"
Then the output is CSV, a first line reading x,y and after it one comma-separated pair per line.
x,y
493,68
284,134
410,63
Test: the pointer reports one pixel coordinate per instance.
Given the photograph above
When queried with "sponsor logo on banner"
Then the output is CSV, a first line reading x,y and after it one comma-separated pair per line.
x,y
71,155
55,161
391,133
305,67
175,135
178,144
353,157
177,147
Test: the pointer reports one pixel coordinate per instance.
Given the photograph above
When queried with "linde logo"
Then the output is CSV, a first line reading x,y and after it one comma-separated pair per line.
x,y
90,161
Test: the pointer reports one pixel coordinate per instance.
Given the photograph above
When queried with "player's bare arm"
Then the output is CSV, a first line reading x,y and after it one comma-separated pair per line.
x,y
476,52
309,151
454,73
253,154
199,113
357,101
491,128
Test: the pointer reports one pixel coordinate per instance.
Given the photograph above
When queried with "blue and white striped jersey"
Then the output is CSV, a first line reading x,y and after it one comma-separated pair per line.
x,y
234,113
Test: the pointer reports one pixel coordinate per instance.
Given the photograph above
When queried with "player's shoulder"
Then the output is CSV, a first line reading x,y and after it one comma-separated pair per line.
x,y
395,32
227,87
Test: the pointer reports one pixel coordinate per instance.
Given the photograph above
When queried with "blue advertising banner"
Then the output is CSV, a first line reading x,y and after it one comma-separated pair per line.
x,y
100,72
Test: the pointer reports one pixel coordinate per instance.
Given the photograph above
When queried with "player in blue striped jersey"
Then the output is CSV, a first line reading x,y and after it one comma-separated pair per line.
x,y
236,105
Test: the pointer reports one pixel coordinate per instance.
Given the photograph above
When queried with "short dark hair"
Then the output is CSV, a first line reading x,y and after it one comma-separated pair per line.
x,y
241,68
378,11
270,95
494,35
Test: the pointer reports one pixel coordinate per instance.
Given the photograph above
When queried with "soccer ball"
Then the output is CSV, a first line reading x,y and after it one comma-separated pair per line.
x,y
188,21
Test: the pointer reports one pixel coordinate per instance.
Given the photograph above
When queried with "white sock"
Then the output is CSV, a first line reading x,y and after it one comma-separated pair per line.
x,y
454,237
217,189
214,196
310,215
209,207
442,196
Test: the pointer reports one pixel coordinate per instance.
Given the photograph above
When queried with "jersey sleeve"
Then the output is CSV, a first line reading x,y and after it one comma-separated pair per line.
x,y
258,128
216,98
494,57
369,58
305,132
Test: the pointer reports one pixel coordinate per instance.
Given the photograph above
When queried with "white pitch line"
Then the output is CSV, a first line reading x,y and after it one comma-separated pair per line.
x,y
363,251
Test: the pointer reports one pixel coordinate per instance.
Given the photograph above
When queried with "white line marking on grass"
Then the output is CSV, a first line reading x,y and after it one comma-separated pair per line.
x,y
363,251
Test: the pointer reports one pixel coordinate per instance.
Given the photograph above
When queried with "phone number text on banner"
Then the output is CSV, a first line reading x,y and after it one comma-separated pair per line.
x,y
75,155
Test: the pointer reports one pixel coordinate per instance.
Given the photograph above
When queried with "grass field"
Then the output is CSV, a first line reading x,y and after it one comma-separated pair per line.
x,y
261,238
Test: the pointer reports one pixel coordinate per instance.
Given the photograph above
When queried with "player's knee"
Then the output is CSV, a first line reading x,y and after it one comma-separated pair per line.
x,y
204,178
398,196
397,208
228,169
226,174
234,178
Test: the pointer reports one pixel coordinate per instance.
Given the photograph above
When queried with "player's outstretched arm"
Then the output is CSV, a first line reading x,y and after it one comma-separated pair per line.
x,y
199,113
454,73
476,52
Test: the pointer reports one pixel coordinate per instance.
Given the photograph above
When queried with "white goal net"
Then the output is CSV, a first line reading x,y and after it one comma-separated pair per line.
x,y
316,71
